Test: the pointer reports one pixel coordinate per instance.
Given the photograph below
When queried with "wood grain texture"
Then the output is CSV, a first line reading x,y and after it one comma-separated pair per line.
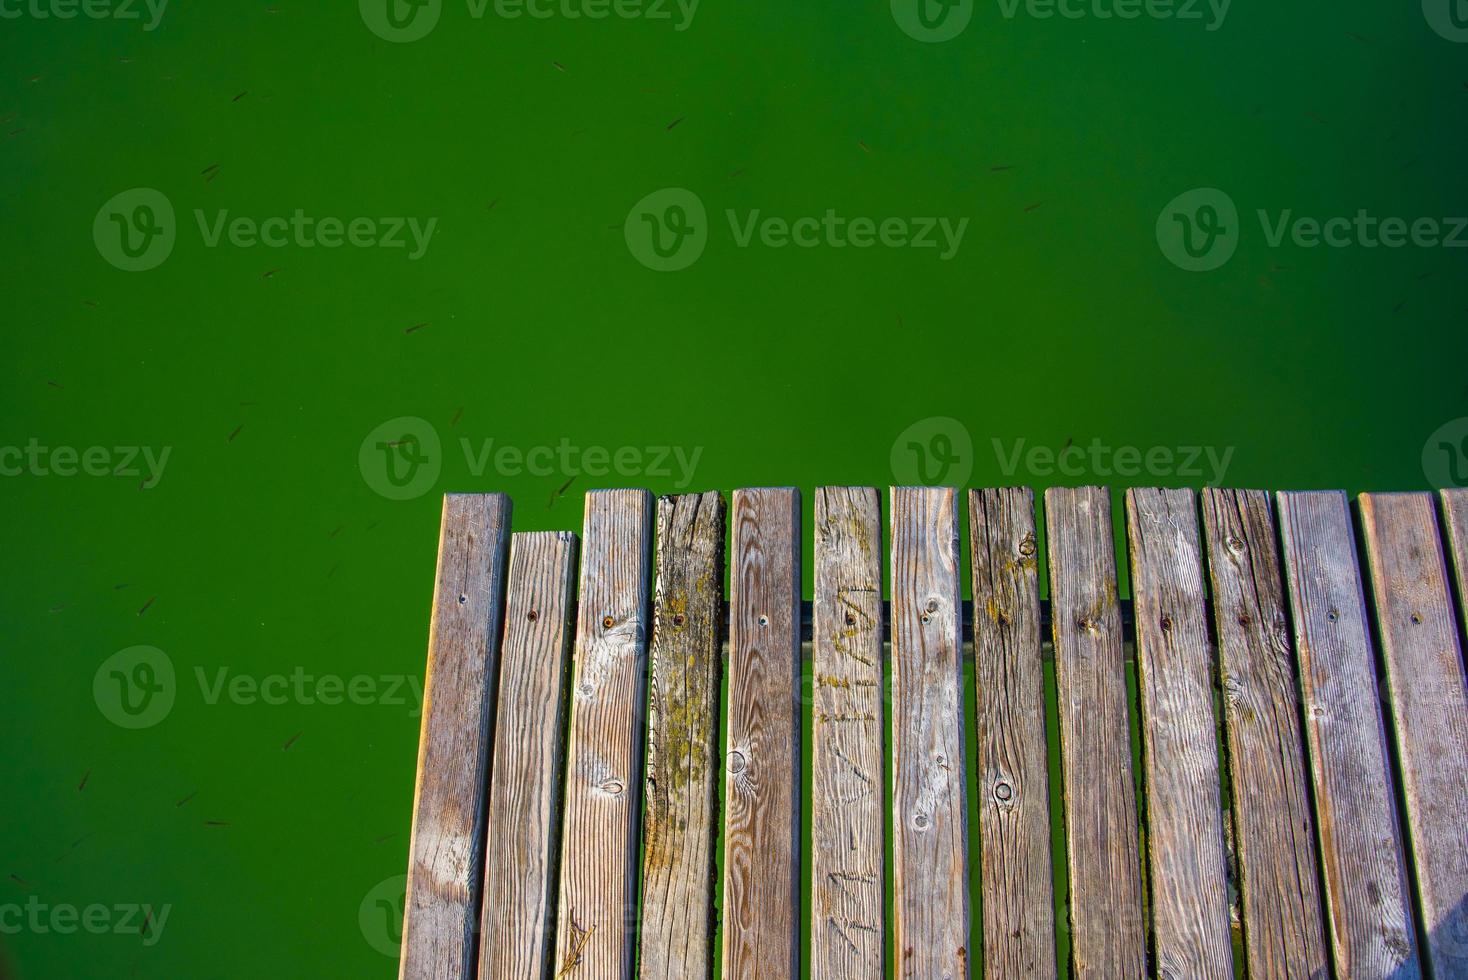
x,y
446,856
1274,830
1185,850
517,922
1429,702
1455,527
1366,896
1108,938
847,920
1014,792
596,915
929,808
680,821
762,768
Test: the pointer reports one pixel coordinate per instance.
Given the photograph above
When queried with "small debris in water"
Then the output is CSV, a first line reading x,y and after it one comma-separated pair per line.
x,y
289,742
559,66
240,96
235,432
146,605
83,784
415,327
675,122
187,798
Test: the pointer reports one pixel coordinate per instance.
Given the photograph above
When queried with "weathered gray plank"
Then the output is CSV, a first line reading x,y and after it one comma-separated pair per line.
x,y
762,769
1014,792
847,938
679,825
1274,833
1455,524
929,808
1185,849
1107,935
1429,702
1366,896
517,923
445,869
596,915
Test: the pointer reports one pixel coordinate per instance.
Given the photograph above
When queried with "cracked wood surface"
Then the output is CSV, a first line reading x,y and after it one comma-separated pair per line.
x,y
762,768
1185,850
929,806
445,869
1014,792
517,923
1429,703
680,823
1367,901
1274,828
847,891
1108,935
596,913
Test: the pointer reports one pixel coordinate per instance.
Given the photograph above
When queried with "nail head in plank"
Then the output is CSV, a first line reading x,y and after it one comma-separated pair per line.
x,y
1185,849
847,887
1284,935
597,911
1429,703
761,908
679,826
1014,791
445,868
929,805
1107,935
1366,895
525,800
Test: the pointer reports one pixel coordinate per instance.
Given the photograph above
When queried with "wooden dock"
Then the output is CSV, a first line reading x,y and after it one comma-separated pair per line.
x,y
610,777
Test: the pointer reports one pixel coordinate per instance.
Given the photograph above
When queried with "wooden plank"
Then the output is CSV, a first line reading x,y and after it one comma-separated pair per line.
x,y
597,910
847,937
929,808
445,864
1107,935
1455,525
1185,850
1429,702
1014,792
518,921
1366,897
680,824
1274,833
762,769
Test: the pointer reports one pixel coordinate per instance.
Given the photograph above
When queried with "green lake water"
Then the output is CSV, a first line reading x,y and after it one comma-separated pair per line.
x,y
280,274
